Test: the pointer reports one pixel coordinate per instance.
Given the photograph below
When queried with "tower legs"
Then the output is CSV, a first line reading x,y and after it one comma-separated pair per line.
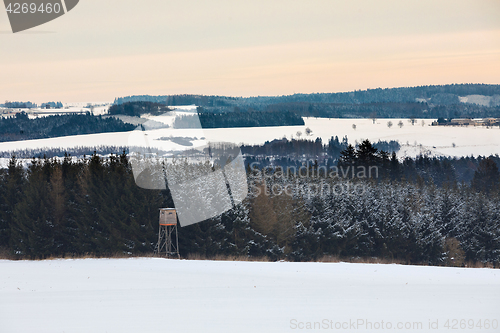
x,y
168,243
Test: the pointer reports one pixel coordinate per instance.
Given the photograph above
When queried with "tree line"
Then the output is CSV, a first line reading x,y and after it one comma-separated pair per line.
x,y
137,108
30,105
92,206
238,119
21,127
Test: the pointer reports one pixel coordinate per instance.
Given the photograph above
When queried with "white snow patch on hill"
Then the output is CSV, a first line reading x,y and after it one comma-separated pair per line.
x,y
415,139
435,140
481,100
158,295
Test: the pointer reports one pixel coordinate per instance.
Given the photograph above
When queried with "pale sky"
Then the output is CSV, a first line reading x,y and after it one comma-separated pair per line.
x,y
104,49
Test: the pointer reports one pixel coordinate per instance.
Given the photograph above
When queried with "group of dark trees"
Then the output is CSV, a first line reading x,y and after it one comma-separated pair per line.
x,y
389,110
303,149
238,119
19,105
480,174
415,211
137,108
52,105
85,206
295,153
29,105
79,151
20,127
175,100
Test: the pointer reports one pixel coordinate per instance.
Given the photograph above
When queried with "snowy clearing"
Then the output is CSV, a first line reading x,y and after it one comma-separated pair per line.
x,y
159,295
415,139
481,100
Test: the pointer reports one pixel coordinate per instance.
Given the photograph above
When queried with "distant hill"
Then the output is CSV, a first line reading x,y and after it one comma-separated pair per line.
x,y
447,101
442,94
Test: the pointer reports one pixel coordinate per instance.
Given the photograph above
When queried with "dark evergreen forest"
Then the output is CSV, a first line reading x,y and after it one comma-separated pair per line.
x,y
138,108
239,119
29,105
79,151
20,105
415,211
20,127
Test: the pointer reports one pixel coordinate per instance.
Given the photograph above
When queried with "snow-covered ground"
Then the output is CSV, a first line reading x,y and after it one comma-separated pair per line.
x,y
415,139
435,140
481,100
159,295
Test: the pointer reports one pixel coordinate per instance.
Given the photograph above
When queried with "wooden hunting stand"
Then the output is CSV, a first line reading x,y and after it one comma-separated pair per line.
x,y
167,245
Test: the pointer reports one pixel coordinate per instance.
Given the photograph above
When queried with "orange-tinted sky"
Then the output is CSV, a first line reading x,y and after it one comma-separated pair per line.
x,y
105,49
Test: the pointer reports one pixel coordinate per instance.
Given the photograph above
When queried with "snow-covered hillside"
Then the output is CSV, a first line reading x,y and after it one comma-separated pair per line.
x,y
481,100
416,139
158,295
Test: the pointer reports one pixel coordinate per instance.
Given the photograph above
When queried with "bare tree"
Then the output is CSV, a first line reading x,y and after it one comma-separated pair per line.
x,y
400,124
389,124
354,126
299,134
412,121
308,131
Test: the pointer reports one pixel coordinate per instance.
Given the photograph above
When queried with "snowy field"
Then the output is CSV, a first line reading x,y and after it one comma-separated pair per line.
x,y
415,139
159,295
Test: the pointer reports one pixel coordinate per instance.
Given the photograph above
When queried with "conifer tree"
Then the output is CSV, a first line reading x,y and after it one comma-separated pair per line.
x,y
487,177
12,181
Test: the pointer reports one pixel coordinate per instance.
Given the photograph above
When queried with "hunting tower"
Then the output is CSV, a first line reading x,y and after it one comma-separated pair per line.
x,y
167,244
